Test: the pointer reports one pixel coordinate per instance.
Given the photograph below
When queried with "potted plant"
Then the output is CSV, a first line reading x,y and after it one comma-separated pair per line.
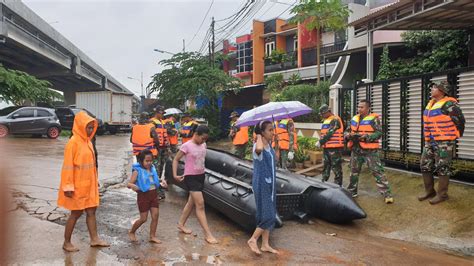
x,y
300,157
309,145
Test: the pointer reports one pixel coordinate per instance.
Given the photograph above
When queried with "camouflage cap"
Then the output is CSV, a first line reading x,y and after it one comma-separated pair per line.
x,y
442,86
143,117
324,109
234,114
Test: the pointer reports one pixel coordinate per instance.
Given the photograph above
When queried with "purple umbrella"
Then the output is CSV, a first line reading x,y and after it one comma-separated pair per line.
x,y
273,111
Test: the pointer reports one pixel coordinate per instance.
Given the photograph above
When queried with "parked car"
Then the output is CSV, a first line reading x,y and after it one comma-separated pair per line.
x,y
29,120
66,117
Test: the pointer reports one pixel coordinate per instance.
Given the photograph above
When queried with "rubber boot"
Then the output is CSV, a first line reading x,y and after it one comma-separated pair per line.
x,y
429,187
443,182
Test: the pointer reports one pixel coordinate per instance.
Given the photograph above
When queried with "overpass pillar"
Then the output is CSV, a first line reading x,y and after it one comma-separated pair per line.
x,y
69,97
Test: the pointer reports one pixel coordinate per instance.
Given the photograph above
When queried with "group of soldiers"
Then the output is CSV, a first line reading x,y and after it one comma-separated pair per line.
x,y
160,134
443,124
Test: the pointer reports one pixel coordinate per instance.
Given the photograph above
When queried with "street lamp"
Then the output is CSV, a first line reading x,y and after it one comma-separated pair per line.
x,y
139,80
163,51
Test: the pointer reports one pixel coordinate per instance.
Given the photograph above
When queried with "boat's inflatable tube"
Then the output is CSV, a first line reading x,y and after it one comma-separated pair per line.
x,y
228,189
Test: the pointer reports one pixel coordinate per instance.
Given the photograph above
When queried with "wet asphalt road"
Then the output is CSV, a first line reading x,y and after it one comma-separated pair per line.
x,y
37,163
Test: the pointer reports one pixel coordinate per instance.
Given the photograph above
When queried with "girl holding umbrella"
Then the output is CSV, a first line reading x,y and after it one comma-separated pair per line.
x,y
263,185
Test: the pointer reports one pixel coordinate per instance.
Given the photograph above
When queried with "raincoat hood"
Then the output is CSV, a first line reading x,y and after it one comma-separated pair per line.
x,y
80,123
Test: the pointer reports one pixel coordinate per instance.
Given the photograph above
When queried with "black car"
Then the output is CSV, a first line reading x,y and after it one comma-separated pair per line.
x,y
66,117
29,120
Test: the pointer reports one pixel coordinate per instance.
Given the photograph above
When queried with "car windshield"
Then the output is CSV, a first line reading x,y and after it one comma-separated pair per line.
x,y
8,110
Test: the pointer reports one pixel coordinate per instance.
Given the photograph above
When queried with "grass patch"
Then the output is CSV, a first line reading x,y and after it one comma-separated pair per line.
x,y
65,133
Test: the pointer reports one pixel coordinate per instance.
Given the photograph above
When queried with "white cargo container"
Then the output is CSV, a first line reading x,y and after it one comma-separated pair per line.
x,y
115,109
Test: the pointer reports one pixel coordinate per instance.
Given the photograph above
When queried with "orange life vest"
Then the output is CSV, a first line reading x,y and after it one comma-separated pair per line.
x,y
337,139
241,135
436,125
364,127
141,139
186,130
281,129
160,131
172,132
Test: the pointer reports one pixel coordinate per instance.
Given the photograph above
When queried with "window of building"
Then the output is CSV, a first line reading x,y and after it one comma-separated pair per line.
x,y
244,57
269,47
295,45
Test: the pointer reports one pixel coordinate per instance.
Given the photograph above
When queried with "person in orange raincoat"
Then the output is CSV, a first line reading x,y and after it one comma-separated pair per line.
x,y
79,188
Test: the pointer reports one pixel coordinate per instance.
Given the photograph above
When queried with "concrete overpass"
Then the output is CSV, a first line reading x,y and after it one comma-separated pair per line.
x,y
30,44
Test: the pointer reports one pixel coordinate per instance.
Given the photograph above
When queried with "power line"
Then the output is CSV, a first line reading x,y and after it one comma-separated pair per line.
x,y
243,22
219,20
202,22
236,16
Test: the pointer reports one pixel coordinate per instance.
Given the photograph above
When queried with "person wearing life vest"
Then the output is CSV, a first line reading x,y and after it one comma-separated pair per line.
x,y
144,136
283,129
186,128
364,135
164,144
332,142
172,132
239,136
443,124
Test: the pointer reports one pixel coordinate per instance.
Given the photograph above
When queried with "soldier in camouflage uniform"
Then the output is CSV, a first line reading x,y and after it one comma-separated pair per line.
x,y
238,135
443,123
363,135
332,141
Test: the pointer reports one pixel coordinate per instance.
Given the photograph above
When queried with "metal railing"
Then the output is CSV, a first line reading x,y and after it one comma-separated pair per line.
x,y
290,62
309,54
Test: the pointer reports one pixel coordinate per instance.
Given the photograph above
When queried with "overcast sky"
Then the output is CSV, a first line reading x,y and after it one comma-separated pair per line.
x,y
120,35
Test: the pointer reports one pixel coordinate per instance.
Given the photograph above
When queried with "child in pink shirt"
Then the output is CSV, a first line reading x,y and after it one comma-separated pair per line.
x,y
194,152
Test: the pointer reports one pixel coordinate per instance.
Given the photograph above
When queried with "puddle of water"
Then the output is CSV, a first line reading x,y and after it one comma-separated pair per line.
x,y
193,258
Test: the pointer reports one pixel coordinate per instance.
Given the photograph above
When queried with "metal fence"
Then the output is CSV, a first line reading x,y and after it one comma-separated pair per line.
x,y
401,103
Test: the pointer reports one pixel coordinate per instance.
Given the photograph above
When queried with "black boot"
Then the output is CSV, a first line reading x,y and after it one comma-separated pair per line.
x,y
442,195
429,187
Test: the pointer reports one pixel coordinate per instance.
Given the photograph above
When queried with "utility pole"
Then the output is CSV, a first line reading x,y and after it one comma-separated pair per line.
x,y
213,41
184,46
210,54
141,82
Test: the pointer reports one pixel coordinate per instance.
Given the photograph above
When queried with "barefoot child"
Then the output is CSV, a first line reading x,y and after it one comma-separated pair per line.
x,y
145,182
195,155
263,185
79,188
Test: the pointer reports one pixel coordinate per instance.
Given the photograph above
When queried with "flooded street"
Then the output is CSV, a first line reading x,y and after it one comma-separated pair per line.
x,y
400,234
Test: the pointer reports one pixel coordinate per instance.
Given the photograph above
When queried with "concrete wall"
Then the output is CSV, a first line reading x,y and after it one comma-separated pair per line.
x,y
308,129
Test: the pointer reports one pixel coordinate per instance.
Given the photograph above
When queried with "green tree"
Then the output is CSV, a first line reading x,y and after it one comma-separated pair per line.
x,y
318,15
311,95
17,87
385,70
190,76
274,83
432,51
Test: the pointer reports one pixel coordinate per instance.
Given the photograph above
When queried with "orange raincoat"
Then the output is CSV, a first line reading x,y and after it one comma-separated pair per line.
x,y
79,173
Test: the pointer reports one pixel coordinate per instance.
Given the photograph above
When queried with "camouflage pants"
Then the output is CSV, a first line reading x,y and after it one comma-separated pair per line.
x,y
239,150
371,157
284,159
333,160
437,157
159,165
